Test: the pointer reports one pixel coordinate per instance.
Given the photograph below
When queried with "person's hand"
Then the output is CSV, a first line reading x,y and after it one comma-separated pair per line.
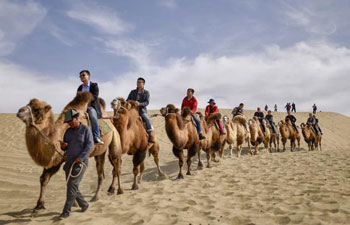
x,y
137,103
63,144
77,161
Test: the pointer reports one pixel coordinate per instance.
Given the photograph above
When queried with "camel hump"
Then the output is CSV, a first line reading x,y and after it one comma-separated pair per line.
x,y
102,103
186,111
133,104
81,98
200,114
214,117
240,119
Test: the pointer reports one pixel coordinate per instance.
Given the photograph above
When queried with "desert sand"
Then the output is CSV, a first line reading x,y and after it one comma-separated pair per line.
x,y
270,188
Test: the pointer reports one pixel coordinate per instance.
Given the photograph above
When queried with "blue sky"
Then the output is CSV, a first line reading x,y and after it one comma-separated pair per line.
x,y
257,52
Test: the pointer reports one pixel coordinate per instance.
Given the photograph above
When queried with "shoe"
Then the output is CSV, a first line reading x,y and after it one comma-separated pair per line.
x,y
84,208
98,141
201,136
63,216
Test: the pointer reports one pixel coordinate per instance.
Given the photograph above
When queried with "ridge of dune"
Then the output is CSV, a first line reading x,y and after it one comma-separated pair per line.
x,y
280,188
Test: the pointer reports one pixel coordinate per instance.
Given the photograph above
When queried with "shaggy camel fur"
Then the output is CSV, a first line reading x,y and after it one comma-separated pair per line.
x,y
213,140
237,134
134,137
287,132
312,139
257,135
182,133
43,135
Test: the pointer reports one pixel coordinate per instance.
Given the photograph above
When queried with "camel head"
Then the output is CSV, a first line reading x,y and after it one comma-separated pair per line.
x,y
35,112
226,119
121,106
170,108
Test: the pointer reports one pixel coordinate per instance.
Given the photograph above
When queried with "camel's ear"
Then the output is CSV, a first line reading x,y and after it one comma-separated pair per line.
x,y
47,108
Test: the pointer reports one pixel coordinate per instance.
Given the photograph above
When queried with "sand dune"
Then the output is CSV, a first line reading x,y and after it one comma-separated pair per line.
x,y
280,188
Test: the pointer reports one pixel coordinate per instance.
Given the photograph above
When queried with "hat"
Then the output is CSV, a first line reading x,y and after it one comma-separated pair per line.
x,y
70,114
211,101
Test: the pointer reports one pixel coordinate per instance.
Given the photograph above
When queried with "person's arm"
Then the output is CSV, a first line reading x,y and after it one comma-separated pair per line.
x,y
146,101
88,145
64,143
216,109
94,91
183,104
194,106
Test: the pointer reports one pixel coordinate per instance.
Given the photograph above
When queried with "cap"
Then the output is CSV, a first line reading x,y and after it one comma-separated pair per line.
x,y
70,114
211,101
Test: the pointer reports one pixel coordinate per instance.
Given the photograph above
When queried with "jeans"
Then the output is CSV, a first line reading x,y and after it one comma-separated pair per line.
x,y
272,127
73,192
198,123
94,122
147,121
262,124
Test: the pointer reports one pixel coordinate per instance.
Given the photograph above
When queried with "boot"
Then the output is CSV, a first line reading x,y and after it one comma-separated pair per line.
x,y
98,141
201,136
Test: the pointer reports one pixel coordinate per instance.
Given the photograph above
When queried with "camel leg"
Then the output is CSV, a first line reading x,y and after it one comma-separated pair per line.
x,y
44,180
208,157
298,144
222,149
100,161
142,169
137,160
117,163
191,152
161,174
200,164
319,143
179,153
239,149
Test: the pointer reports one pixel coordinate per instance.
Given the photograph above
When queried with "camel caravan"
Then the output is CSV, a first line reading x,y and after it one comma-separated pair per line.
x,y
129,132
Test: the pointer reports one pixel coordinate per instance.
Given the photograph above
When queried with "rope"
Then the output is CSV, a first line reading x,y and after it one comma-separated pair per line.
x,y
71,168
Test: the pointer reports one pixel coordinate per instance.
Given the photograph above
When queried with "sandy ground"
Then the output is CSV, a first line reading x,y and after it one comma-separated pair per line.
x,y
270,188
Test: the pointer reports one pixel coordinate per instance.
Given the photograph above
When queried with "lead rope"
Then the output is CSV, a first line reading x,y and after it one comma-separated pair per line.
x,y
70,175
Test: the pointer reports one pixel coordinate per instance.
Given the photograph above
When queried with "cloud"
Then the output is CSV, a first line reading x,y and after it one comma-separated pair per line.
x,y
305,73
103,19
17,20
168,3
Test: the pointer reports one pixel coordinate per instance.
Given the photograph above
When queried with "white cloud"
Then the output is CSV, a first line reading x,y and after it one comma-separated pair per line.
x,y
305,73
17,20
102,19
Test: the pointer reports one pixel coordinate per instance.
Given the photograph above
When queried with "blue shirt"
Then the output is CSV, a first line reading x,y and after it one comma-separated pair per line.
x,y
86,88
80,143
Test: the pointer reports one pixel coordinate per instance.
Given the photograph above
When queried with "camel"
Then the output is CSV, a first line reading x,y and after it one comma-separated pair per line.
x,y
309,135
257,135
43,135
213,140
275,139
237,134
134,137
288,132
182,133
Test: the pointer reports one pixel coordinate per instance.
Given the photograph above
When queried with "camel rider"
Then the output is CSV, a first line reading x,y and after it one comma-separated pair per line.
x,y
77,143
269,118
292,120
211,109
238,111
191,102
311,121
94,109
260,116
141,96
317,127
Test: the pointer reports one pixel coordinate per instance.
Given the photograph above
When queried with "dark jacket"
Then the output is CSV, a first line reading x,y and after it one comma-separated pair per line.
x,y
95,102
269,118
291,118
237,111
260,115
142,98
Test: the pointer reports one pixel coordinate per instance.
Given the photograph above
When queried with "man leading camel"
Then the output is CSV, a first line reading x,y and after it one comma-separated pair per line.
x,y
77,142
141,96
191,102
94,109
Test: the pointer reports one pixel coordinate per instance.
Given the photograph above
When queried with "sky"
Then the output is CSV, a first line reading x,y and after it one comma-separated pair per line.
x,y
255,52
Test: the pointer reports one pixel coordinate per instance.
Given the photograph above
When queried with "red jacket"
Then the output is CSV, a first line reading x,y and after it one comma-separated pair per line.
x,y
209,110
192,104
